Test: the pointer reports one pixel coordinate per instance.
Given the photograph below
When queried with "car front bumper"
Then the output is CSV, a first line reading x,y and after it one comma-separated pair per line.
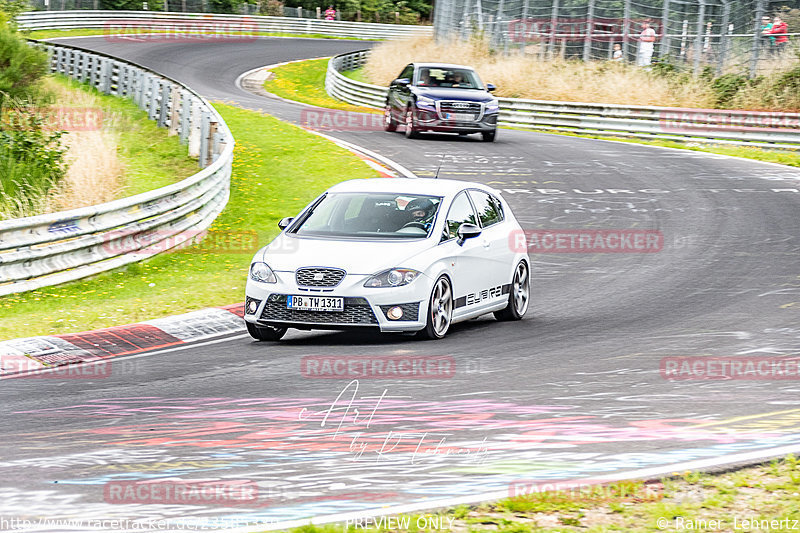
x,y
430,120
363,307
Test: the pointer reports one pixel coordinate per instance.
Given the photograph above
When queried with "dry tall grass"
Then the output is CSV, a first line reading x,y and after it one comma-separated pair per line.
x,y
527,77
95,173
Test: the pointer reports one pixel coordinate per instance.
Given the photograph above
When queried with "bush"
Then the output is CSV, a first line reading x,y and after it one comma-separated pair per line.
x,y
31,160
726,87
21,68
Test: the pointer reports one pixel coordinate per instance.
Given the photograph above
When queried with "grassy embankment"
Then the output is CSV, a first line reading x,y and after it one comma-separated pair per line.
x,y
278,169
690,501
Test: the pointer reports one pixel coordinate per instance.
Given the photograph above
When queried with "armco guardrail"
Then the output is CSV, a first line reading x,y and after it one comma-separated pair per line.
x,y
137,23
764,129
54,248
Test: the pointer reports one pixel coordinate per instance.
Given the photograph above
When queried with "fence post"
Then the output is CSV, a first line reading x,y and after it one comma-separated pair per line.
x,y
553,24
756,38
626,22
587,43
698,39
723,38
665,40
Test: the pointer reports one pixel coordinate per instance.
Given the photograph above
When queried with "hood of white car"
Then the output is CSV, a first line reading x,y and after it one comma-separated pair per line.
x,y
287,254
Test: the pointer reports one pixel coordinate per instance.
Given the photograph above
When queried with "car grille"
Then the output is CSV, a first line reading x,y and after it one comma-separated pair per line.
x,y
410,311
356,311
319,277
469,108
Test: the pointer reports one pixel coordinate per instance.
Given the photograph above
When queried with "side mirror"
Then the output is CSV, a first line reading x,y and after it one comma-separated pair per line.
x,y
490,87
284,222
467,231
402,82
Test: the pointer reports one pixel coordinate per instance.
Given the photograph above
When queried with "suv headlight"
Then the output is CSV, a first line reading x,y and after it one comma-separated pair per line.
x,y
261,272
493,105
395,277
426,102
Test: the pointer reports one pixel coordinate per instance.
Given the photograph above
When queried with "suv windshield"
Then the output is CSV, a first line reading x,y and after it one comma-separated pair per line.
x,y
456,78
370,216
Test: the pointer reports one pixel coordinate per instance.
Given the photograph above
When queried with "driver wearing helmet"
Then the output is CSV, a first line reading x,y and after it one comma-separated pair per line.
x,y
420,212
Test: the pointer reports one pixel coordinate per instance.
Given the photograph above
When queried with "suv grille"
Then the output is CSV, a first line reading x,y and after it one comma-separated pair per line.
x,y
356,311
462,108
319,277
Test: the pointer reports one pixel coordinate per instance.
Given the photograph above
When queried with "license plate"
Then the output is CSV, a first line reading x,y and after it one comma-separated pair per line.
x,y
461,117
315,303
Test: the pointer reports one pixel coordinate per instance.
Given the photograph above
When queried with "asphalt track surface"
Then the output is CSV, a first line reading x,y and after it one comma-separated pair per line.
x,y
573,391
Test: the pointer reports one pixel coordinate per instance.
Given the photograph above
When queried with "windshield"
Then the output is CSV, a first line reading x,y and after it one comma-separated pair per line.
x,y
370,215
456,78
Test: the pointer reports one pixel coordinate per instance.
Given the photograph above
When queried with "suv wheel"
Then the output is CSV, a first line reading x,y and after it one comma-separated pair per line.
x,y
411,130
389,123
488,136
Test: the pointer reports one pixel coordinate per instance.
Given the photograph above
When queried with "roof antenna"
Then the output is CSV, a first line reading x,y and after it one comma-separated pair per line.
x,y
436,176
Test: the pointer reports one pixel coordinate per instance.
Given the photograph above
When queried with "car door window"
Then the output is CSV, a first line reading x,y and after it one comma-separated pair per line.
x,y
408,72
488,212
460,212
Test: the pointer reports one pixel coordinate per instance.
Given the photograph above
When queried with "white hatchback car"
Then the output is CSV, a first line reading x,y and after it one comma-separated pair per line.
x,y
393,254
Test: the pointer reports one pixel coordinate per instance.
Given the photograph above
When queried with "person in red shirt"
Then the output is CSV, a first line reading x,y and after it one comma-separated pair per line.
x,y
779,30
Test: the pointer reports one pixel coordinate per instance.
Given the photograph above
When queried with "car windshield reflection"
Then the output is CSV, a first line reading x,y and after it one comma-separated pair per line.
x,y
370,216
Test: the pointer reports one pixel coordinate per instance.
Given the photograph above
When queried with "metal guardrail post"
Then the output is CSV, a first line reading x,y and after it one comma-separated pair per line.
x,y
205,123
186,115
163,108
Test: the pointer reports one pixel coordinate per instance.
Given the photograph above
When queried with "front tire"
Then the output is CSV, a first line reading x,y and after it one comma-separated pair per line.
x,y
518,296
440,310
489,136
268,333
389,124
411,130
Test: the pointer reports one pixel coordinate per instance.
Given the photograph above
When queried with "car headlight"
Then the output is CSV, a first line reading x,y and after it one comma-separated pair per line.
x,y
395,277
263,273
493,105
425,102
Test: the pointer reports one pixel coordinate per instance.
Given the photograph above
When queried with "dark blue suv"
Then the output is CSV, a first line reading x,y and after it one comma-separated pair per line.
x,y
441,97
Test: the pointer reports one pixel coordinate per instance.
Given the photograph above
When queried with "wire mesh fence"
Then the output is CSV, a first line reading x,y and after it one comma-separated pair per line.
x,y
725,35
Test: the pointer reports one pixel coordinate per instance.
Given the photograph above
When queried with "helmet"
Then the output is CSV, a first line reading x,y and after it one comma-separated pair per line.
x,y
421,204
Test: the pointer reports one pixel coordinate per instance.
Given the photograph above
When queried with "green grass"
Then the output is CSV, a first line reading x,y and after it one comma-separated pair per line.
x,y
278,169
304,81
54,34
151,157
357,74
765,492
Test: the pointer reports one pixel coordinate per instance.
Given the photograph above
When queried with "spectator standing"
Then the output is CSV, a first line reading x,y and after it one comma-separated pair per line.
x,y
647,41
767,40
779,30
617,53
330,13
